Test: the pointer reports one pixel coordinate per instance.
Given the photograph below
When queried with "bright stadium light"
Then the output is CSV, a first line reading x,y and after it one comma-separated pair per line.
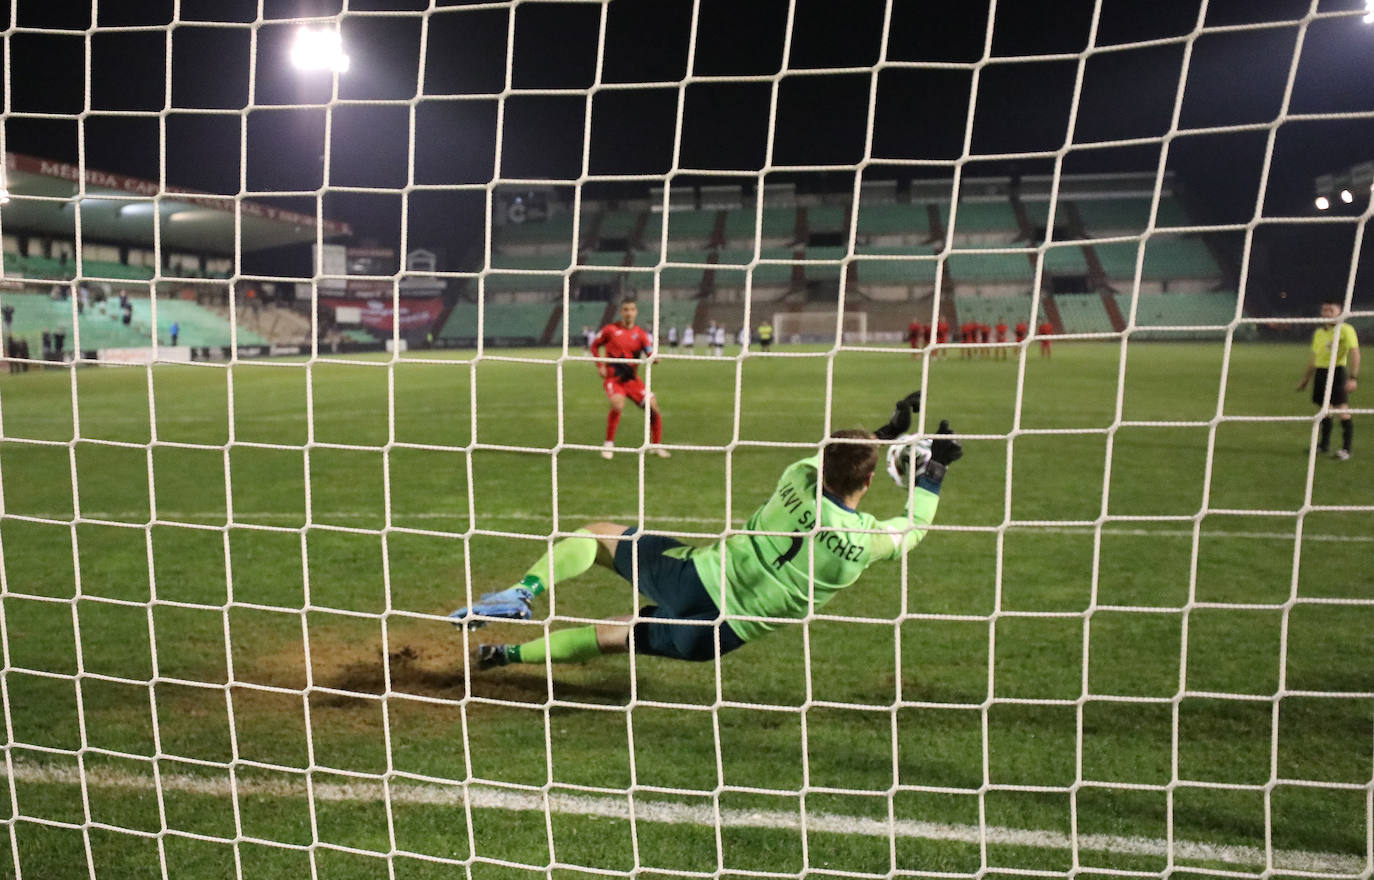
x,y
319,50
1369,11
1347,196
1323,203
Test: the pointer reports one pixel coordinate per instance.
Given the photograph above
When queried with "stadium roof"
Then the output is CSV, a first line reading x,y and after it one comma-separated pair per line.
x,y
44,195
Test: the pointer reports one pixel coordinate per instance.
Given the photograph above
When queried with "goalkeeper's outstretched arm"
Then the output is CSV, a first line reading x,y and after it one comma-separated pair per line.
x,y
905,532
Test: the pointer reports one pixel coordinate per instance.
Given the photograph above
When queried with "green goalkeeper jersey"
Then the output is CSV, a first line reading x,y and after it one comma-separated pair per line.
x,y
776,575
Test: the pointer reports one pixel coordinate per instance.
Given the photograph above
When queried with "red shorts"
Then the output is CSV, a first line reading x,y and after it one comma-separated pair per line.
x,y
633,389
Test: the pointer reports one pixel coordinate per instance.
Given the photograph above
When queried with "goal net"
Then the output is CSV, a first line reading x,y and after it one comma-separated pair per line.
x,y
851,327
1134,642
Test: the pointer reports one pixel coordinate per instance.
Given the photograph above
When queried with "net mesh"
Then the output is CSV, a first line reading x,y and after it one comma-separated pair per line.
x,y
514,793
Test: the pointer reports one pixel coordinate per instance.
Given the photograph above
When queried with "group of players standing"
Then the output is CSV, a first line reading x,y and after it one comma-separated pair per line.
x,y
971,333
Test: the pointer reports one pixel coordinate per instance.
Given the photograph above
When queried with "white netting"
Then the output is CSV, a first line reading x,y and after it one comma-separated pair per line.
x,y
276,464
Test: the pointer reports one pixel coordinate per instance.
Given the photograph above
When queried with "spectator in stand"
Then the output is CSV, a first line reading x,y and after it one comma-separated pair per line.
x,y
59,344
1045,331
174,331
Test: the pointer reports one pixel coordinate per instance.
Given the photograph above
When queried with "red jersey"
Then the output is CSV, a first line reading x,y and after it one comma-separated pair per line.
x,y
1021,330
1045,329
623,342
1002,332
913,332
942,330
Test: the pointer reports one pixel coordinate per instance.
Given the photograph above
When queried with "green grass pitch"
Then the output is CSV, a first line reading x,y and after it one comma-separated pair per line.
x,y
253,595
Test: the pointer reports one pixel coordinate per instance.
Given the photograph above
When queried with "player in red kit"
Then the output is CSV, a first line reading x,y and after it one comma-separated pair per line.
x,y
1022,328
941,334
914,332
1045,331
621,380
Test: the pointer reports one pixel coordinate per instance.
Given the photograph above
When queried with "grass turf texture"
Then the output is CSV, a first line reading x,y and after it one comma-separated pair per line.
x,y
269,643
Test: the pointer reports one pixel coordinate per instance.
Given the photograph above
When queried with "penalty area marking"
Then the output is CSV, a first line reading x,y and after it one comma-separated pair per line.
x,y
629,518
478,797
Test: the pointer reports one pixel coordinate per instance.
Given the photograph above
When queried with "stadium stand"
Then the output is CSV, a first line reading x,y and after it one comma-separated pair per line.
x,y
1083,313
507,323
972,266
540,272
831,269
1066,259
684,227
825,218
982,217
1161,310
1166,257
764,273
618,224
101,325
557,228
877,221
1107,217
606,263
918,268
778,224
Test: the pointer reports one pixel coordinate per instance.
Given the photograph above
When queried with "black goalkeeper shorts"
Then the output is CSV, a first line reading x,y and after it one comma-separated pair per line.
x,y
684,619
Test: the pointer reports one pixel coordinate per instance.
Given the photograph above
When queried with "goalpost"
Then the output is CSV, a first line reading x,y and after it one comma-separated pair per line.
x,y
852,327
224,584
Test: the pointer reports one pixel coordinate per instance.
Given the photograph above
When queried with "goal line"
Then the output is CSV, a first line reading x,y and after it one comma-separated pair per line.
x,y
670,813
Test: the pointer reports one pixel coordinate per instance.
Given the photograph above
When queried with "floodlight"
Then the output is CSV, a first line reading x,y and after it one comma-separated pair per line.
x,y
1347,196
319,50
1323,203
1369,11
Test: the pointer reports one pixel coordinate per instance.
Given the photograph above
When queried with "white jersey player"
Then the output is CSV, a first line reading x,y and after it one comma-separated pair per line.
x,y
689,339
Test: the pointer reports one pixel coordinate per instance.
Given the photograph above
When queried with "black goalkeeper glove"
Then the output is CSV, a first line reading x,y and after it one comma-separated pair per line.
x,y
944,451
901,417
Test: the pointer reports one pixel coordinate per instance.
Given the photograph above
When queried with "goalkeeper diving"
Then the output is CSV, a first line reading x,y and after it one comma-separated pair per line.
x,y
806,543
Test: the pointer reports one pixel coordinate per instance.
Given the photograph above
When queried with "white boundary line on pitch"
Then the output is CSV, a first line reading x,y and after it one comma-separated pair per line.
x,y
631,518
705,815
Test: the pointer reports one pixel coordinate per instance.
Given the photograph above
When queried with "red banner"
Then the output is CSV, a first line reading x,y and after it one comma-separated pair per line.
x,y
416,313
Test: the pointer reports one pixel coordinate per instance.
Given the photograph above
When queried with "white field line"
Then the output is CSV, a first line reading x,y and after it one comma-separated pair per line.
x,y
629,518
704,815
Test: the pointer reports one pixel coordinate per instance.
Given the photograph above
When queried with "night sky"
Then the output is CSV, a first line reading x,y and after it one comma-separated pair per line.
x,y
231,84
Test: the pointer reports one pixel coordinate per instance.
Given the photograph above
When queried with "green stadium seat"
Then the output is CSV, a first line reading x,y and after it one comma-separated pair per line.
x,y
776,223
916,266
829,270
983,217
100,325
1083,313
825,218
1066,259
511,323
972,266
682,226
1166,257
910,219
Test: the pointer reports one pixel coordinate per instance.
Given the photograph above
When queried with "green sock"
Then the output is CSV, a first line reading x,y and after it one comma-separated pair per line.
x,y
566,559
563,646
